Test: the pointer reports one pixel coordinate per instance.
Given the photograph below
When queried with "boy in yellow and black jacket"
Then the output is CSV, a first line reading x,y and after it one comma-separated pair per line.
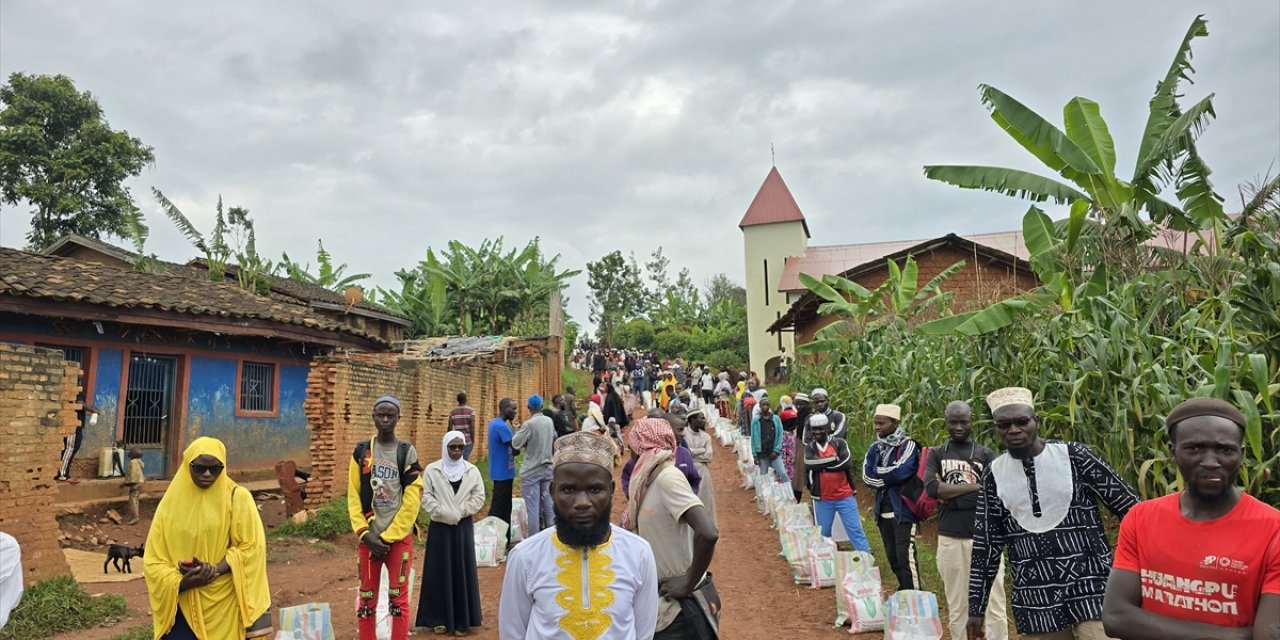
x,y
384,493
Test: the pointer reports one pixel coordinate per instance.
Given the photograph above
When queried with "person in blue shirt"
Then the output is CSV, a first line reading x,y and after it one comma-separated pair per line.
x,y
766,441
891,461
502,461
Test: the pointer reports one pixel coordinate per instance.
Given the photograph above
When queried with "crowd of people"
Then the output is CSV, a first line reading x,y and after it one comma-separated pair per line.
x,y
1201,563
1038,505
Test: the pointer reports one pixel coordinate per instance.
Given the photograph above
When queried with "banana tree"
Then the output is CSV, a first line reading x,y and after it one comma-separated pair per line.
x,y
1102,205
859,308
239,255
328,275
1084,155
485,289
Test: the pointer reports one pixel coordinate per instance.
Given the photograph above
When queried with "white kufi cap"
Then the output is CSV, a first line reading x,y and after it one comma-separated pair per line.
x,y
889,411
1010,395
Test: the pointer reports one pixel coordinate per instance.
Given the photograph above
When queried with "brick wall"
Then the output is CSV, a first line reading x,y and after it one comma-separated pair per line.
x,y
37,409
341,390
979,283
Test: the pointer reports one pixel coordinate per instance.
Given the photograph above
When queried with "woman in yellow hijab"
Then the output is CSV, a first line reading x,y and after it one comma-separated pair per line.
x,y
206,558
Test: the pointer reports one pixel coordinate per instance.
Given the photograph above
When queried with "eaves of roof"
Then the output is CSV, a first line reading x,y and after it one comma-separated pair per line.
x,y
82,286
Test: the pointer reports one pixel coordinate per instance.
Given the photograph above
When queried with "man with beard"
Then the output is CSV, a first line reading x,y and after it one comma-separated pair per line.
x,y
952,475
585,578
1205,562
666,512
1040,501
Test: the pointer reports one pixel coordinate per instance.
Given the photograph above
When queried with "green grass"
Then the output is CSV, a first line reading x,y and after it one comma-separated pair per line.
x,y
581,381
137,633
330,521
57,605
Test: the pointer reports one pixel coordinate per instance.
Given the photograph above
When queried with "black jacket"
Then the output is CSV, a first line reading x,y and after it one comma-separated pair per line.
x,y
815,464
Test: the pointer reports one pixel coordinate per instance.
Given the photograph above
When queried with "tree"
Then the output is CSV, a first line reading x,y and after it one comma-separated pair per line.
x,y
1085,156
858,309
678,307
328,276
636,333
58,154
230,249
1103,233
464,290
656,272
616,293
720,287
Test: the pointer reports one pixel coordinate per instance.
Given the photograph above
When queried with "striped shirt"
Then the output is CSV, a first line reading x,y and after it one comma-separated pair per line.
x,y
463,418
1059,576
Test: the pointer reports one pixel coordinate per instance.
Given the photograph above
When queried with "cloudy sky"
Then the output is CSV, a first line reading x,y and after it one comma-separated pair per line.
x,y
387,128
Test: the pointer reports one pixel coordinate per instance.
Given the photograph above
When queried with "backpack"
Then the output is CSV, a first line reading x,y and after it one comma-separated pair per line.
x,y
407,476
914,496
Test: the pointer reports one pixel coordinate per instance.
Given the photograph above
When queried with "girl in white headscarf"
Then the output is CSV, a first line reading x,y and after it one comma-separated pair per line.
x,y
453,492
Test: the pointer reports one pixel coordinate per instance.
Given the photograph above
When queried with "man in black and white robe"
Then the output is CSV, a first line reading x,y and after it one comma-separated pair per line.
x,y
1040,500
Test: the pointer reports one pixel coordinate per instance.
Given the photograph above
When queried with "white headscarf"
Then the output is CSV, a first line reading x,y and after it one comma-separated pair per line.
x,y
453,469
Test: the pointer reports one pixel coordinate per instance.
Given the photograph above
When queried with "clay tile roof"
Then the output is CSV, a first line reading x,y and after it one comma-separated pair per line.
x,y
773,203
288,289
837,259
55,278
307,293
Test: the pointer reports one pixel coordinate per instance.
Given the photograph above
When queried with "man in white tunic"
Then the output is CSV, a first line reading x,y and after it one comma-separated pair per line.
x,y
584,579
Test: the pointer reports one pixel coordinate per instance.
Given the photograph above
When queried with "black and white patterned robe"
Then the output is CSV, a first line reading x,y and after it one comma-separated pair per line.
x,y
1059,576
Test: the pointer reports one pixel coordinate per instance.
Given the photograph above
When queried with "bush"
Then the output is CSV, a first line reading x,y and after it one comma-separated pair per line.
x,y
329,521
725,357
60,604
1104,373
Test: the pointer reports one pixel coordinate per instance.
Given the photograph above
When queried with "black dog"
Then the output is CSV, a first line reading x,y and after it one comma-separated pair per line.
x,y
118,552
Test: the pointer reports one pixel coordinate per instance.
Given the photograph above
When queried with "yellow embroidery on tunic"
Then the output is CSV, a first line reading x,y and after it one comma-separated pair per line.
x,y
585,617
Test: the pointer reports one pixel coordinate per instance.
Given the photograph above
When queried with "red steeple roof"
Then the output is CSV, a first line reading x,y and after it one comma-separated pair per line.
x,y
773,203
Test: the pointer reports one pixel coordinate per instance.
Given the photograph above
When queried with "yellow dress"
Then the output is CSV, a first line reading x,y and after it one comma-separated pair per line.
x,y
213,524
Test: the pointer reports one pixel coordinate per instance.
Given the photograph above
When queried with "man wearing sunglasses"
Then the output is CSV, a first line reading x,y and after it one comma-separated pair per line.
x,y
1039,500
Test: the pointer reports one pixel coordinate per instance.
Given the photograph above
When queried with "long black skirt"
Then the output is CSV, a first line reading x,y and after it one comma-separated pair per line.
x,y
450,593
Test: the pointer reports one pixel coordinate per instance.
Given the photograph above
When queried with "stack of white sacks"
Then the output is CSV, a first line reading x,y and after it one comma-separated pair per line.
x,y
815,560
491,535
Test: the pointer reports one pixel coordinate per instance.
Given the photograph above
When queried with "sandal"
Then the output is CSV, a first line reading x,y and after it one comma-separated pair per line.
x,y
440,630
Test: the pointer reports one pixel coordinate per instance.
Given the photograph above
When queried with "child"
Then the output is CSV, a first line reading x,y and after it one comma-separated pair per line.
x,y
134,482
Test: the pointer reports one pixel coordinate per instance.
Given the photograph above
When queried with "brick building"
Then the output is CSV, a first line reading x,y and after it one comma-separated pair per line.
x,y
167,357
989,273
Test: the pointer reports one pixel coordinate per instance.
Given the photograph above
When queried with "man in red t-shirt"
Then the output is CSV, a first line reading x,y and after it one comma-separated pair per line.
x,y
1203,563
828,467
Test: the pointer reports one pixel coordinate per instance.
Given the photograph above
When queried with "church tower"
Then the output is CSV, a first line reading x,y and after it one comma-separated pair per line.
x,y
773,229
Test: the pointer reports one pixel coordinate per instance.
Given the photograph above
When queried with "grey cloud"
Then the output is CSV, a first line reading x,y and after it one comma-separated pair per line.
x,y
388,128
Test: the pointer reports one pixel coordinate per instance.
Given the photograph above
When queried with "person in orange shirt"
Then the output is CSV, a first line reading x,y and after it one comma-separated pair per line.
x,y
1203,562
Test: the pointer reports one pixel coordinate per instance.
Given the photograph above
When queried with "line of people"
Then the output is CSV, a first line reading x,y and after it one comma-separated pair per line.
x,y
1178,570
1200,563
